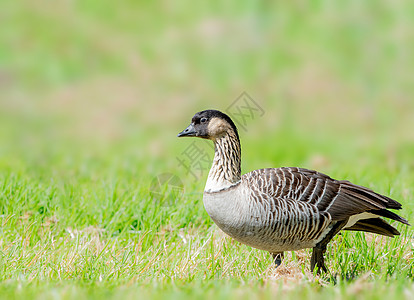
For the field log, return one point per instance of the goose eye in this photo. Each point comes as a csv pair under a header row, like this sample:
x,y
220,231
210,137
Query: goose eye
x,y
203,120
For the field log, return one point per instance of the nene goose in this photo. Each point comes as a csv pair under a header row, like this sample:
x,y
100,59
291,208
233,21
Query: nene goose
x,y
283,209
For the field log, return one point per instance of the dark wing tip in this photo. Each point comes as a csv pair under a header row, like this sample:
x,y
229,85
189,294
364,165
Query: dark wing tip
x,y
389,214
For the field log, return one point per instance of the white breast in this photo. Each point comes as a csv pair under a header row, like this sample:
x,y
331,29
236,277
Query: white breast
x,y
226,210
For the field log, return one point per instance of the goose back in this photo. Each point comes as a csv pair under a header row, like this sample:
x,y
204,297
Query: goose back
x,y
341,199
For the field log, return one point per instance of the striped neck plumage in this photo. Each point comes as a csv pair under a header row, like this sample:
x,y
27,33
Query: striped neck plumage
x,y
226,168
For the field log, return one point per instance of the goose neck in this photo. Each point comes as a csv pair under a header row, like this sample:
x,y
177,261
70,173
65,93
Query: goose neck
x,y
226,167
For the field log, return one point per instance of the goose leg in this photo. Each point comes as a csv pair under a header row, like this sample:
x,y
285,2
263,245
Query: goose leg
x,y
277,258
317,259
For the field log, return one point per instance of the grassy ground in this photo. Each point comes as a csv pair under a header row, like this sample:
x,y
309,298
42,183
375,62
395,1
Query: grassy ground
x,y
93,95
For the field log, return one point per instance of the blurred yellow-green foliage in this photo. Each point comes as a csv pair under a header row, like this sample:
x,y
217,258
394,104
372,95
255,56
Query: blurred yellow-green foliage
x,y
88,78
93,94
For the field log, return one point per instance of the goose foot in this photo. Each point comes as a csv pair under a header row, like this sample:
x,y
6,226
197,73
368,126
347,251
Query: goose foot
x,y
317,259
277,258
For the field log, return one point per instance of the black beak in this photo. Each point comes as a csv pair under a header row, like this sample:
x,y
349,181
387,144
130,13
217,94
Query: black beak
x,y
189,131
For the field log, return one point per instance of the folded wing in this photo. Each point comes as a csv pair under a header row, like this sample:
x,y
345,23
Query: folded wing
x,y
343,200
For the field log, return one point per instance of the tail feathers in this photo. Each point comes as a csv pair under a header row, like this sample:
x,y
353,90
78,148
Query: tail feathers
x,y
389,214
374,225
352,199
369,196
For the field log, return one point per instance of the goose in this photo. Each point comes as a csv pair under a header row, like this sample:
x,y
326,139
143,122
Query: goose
x,y
283,209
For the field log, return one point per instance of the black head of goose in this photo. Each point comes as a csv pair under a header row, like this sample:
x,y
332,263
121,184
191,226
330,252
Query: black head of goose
x,y
283,209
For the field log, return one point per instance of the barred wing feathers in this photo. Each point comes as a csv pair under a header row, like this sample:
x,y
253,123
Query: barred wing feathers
x,y
341,199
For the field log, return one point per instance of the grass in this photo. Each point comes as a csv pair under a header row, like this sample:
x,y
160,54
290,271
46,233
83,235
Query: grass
x,y
70,233
93,95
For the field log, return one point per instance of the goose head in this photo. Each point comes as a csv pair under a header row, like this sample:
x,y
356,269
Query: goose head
x,y
210,124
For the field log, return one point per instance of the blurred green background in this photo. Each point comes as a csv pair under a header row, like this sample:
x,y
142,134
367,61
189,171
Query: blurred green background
x,y
93,94
106,84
